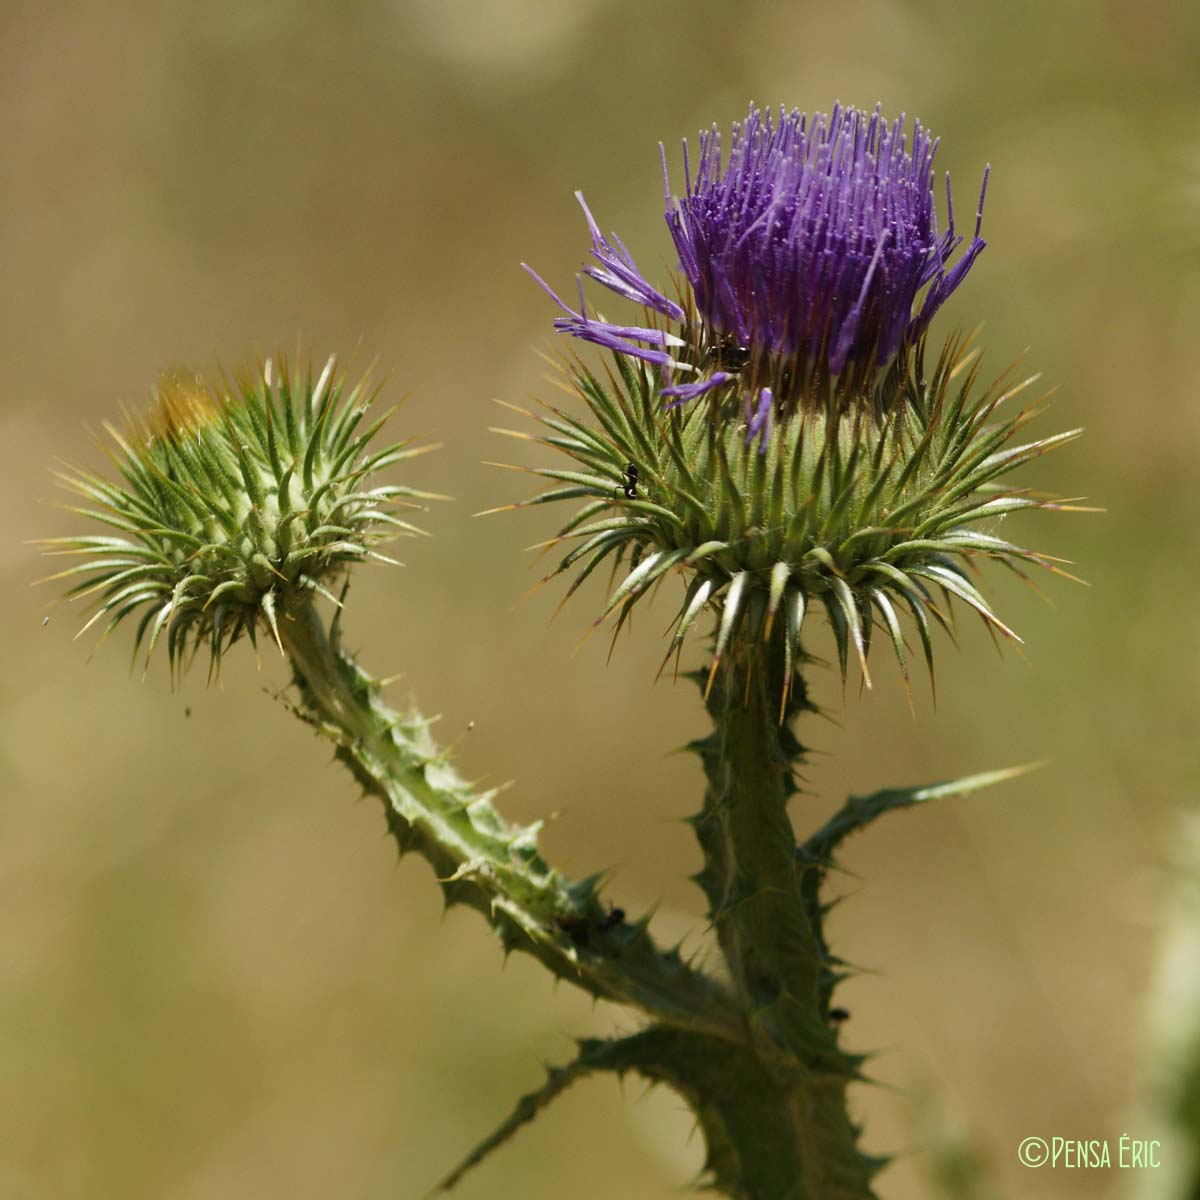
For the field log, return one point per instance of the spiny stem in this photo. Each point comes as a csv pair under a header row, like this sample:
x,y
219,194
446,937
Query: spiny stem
x,y
478,858
767,915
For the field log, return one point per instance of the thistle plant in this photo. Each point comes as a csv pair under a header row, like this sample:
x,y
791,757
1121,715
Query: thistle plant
x,y
774,429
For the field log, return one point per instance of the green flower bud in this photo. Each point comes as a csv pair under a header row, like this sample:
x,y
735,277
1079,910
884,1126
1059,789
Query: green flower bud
x,y
233,500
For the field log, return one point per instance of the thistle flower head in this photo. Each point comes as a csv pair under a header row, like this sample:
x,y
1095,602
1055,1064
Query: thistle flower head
x,y
830,466
232,500
811,255
813,238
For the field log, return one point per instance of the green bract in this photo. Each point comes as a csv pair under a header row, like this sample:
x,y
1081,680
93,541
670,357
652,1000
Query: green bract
x,y
234,500
866,508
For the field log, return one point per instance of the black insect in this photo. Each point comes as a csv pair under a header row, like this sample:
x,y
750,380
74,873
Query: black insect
x,y
631,481
728,356
580,929
838,1015
615,917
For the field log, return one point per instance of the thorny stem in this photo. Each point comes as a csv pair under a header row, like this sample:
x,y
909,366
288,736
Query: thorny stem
x,y
760,1066
767,915
478,858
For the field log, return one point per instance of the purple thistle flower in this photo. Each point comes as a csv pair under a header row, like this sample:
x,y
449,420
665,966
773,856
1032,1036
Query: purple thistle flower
x,y
807,250
814,238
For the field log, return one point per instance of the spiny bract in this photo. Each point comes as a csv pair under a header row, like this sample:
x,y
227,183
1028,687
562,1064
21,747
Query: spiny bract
x,y
234,499
866,511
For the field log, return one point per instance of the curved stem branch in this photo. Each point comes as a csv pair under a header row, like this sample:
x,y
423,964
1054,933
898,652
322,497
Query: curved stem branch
x,y
480,859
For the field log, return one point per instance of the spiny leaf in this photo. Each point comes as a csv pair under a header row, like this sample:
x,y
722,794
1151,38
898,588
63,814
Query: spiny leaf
x,y
859,811
558,1079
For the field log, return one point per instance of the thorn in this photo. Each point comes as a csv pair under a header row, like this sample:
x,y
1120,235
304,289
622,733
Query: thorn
x,y
712,674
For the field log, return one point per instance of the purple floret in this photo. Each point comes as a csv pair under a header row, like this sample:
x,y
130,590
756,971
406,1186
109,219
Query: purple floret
x,y
622,338
758,416
814,238
680,393
619,273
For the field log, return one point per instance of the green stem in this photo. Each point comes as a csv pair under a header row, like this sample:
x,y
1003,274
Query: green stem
x,y
478,858
759,1065
767,915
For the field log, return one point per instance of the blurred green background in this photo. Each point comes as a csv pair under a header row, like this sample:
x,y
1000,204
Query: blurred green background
x,y
215,980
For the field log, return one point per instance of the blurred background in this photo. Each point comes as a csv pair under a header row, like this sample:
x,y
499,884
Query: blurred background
x,y
214,979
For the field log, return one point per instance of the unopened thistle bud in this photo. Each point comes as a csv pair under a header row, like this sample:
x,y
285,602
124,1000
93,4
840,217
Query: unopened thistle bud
x,y
777,432
233,501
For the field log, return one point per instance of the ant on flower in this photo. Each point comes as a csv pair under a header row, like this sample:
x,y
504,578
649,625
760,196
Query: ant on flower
x,y
630,485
